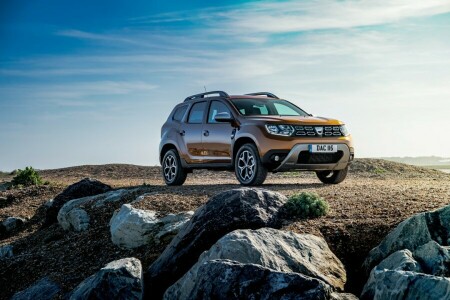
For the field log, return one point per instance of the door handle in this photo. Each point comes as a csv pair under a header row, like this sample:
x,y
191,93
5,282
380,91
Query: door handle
x,y
205,132
182,132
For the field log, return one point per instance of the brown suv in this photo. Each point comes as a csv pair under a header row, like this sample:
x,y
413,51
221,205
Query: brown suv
x,y
252,134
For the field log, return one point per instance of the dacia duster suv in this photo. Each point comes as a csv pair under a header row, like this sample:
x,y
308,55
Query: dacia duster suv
x,y
253,134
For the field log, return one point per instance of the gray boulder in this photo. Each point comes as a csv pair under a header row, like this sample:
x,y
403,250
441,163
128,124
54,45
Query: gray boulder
x,y
10,224
5,186
400,261
76,219
405,285
245,208
72,216
425,265
6,251
226,279
274,249
44,289
83,188
434,259
412,233
131,227
120,279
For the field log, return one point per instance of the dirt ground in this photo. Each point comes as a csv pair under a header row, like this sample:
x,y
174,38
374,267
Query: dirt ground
x,y
375,197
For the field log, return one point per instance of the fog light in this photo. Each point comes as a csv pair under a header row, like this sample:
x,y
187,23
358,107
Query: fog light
x,y
276,158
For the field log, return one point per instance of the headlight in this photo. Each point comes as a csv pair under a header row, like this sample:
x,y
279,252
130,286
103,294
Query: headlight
x,y
344,130
284,130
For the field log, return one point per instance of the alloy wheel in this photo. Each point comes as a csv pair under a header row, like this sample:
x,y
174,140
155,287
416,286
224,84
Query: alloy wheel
x,y
246,165
170,168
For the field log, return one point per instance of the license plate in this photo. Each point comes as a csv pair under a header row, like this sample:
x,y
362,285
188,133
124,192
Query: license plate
x,y
323,148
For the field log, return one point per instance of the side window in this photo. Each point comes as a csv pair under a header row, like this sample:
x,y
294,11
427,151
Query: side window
x,y
215,108
179,113
196,113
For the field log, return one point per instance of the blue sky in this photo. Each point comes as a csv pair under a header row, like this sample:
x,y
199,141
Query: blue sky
x,y
91,82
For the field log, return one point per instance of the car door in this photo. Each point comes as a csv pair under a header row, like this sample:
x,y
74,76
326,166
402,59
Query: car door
x,y
217,136
191,133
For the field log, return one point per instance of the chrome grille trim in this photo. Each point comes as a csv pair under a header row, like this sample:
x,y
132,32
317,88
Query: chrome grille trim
x,y
310,131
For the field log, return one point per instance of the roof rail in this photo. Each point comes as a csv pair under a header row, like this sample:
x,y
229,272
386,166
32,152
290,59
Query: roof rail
x,y
269,95
202,95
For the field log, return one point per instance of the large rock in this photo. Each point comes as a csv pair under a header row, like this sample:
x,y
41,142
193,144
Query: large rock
x,y
5,186
6,251
245,208
415,270
131,227
405,285
76,219
274,249
434,259
399,261
412,233
72,216
226,279
11,224
44,289
84,188
120,279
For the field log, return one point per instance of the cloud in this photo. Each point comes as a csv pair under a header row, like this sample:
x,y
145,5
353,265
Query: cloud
x,y
75,94
294,16
302,16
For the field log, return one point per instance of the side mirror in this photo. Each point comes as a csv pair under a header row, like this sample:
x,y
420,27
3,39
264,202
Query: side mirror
x,y
223,117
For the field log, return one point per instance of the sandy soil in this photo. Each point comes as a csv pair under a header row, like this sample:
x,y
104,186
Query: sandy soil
x,y
375,197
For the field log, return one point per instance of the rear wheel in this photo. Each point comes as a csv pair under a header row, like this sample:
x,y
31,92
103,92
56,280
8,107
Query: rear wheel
x,y
332,177
172,171
248,167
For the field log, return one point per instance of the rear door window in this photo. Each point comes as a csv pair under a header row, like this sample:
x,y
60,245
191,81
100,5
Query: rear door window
x,y
179,113
197,112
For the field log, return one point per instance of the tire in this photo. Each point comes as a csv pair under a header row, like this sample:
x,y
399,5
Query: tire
x,y
332,177
248,167
172,170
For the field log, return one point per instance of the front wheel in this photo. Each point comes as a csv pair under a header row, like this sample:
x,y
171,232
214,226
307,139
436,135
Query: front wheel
x,y
173,172
248,167
332,177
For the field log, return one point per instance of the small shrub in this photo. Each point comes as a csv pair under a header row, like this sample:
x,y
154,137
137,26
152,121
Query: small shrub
x,y
26,177
378,170
306,205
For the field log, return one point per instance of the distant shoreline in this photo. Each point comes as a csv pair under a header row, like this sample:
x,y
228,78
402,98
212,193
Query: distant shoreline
x,y
443,168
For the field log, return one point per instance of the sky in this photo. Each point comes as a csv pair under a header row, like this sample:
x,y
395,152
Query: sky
x,y
91,82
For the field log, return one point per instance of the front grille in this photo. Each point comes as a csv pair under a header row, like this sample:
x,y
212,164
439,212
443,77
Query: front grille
x,y
306,157
317,131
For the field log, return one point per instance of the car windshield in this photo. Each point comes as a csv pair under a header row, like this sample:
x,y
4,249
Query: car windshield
x,y
267,107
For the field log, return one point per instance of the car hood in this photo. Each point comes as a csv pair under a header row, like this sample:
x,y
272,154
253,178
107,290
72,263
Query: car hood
x,y
306,120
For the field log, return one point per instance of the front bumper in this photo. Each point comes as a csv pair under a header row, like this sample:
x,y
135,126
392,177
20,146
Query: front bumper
x,y
292,160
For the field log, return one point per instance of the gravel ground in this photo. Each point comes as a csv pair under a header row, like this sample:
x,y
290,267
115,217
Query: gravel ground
x,y
375,197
